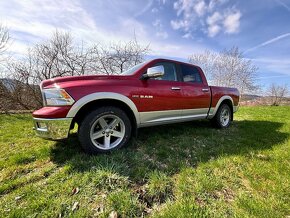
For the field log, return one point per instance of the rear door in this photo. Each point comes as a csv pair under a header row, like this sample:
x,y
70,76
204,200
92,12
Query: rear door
x,y
161,98
195,92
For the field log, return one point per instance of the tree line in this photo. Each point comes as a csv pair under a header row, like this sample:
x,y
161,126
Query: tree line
x,y
61,55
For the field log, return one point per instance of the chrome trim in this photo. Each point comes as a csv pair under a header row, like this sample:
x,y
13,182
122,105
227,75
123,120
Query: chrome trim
x,y
175,88
104,95
155,72
205,90
213,110
198,111
42,94
171,116
52,128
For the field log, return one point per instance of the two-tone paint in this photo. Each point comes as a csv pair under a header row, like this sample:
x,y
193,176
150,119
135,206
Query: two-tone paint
x,y
152,102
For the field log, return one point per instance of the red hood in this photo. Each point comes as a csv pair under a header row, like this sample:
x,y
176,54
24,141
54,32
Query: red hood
x,y
58,80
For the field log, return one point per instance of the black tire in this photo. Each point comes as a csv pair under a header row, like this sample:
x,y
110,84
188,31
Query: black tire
x,y
92,125
217,120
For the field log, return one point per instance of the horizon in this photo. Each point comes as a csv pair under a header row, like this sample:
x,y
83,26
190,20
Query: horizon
x,y
174,29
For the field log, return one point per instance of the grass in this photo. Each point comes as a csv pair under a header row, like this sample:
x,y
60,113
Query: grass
x,y
181,170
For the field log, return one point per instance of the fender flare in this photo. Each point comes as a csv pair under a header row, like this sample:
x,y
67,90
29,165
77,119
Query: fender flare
x,y
213,110
103,95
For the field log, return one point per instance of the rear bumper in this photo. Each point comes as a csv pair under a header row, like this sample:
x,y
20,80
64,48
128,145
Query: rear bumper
x,y
53,129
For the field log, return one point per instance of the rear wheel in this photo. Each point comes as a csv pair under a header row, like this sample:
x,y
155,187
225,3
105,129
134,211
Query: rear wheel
x,y
104,130
223,117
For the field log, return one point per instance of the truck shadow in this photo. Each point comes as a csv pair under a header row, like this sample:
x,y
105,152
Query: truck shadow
x,y
172,147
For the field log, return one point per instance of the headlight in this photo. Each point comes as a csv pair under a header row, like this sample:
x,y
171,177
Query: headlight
x,y
57,97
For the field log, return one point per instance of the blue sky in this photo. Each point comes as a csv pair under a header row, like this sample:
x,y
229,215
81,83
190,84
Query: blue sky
x,y
177,28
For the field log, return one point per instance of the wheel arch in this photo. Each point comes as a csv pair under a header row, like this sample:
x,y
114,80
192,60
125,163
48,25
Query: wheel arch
x,y
92,101
223,100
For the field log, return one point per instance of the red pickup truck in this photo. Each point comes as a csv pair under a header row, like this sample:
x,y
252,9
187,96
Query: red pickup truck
x,y
110,108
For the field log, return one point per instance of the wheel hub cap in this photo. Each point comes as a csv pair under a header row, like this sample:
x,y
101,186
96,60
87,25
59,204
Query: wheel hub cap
x,y
107,132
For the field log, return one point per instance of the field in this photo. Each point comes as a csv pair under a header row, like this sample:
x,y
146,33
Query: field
x,y
181,170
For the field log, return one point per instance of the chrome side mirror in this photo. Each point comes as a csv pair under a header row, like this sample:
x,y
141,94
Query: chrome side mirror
x,y
154,72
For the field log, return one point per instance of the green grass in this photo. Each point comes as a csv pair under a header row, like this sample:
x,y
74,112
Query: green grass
x,y
181,170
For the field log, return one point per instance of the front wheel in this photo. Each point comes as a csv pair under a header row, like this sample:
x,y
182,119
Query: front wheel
x,y
104,130
223,116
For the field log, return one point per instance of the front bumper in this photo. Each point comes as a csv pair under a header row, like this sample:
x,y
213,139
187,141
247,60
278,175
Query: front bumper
x,y
53,129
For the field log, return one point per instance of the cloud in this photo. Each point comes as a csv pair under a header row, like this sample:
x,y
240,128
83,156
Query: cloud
x,y
214,18
162,34
213,30
209,16
32,22
212,21
187,36
283,4
200,8
268,42
154,10
232,22
146,8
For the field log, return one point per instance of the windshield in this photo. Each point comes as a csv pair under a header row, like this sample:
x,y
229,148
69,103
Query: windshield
x,y
132,70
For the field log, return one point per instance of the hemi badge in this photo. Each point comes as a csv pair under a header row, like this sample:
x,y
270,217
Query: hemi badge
x,y
135,96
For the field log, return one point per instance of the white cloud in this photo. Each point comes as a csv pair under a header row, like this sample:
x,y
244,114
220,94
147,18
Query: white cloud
x,y
154,10
157,23
179,24
162,34
187,36
213,30
232,22
200,8
214,18
160,30
34,21
208,16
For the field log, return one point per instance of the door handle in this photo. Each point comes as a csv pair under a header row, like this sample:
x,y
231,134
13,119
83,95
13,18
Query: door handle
x,y
205,90
175,88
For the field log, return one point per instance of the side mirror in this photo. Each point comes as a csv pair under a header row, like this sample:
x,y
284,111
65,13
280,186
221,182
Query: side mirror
x,y
154,72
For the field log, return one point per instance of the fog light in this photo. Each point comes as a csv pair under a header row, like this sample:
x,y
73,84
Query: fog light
x,y
41,125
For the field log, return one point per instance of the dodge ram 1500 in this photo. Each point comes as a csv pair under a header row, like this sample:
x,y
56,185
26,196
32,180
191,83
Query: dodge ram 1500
x,y
110,108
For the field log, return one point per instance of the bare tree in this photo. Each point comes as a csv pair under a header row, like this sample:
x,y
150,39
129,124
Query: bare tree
x,y
277,93
117,57
4,38
61,56
227,68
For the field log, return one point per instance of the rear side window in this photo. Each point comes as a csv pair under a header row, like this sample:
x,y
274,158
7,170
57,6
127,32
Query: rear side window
x,y
190,74
169,71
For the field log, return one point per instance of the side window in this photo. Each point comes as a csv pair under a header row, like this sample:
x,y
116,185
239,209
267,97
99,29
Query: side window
x,y
190,74
169,71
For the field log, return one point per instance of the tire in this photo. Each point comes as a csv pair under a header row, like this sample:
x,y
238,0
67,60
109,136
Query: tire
x,y
223,117
104,130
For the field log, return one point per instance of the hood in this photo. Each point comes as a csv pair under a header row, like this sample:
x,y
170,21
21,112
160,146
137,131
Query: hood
x,y
68,79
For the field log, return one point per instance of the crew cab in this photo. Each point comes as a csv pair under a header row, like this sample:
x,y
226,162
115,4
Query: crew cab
x,y
110,108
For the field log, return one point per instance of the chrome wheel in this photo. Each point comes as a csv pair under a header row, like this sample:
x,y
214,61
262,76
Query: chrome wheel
x,y
107,132
225,116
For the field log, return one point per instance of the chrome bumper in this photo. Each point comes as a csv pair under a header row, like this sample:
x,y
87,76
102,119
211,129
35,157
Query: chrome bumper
x,y
52,128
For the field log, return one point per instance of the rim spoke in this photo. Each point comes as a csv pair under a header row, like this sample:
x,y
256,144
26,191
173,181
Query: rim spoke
x,y
102,122
117,134
114,123
97,135
107,141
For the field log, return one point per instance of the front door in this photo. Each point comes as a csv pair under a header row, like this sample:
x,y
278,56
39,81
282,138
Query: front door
x,y
161,98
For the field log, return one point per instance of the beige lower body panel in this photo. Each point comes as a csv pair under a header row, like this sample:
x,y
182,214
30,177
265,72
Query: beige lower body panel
x,y
153,118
